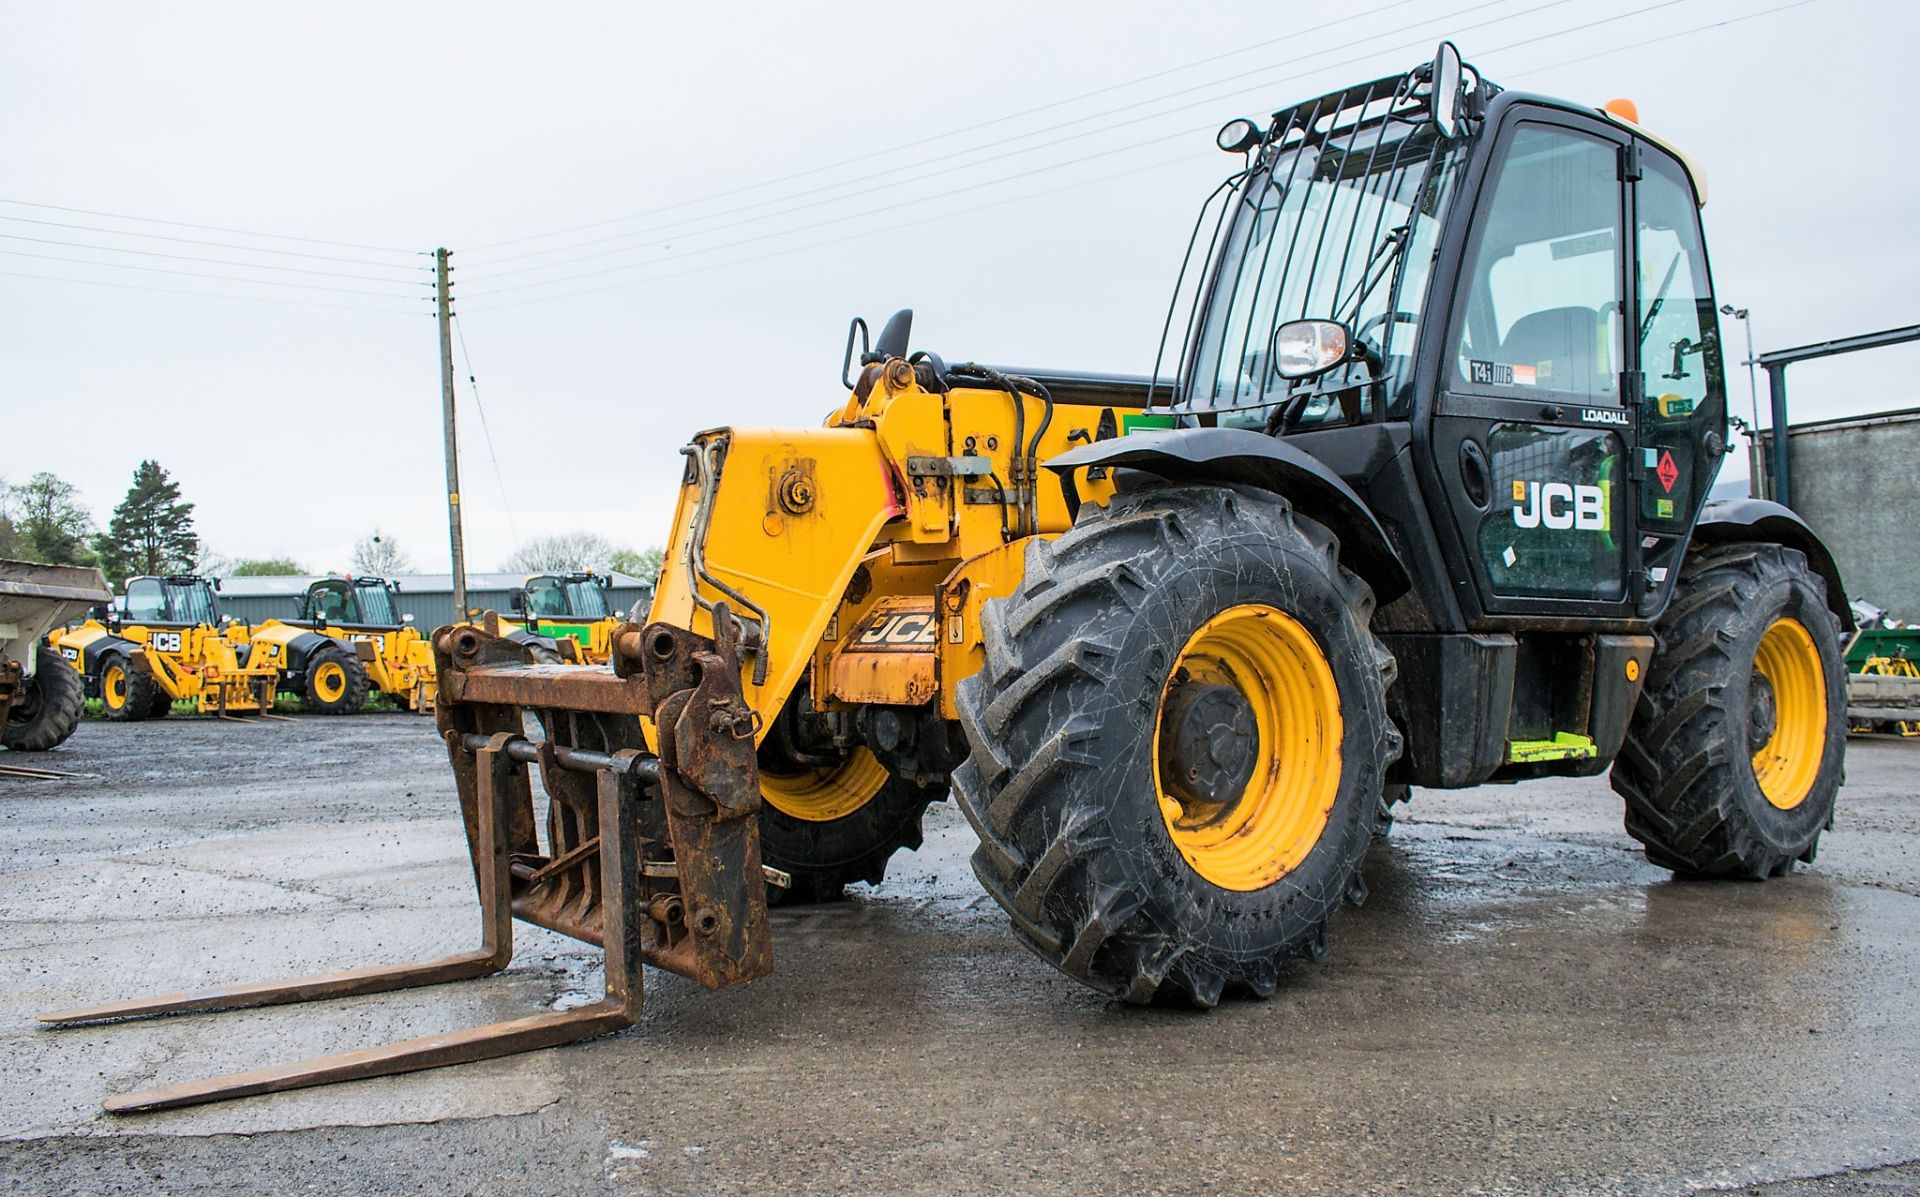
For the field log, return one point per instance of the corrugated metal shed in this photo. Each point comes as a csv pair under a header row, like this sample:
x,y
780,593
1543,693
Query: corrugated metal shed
x,y
426,597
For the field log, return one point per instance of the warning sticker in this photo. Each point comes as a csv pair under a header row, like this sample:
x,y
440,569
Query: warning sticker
x,y
1663,509
1524,376
1667,471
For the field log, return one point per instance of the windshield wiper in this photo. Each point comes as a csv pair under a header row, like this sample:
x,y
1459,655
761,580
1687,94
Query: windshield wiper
x,y
1379,264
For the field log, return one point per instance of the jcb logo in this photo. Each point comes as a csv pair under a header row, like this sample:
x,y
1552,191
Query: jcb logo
x,y
166,642
71,654
899,632
1559,505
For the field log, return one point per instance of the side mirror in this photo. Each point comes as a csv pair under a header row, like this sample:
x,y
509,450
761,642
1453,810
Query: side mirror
x,y
1306,348
517,601
1444,103
407,618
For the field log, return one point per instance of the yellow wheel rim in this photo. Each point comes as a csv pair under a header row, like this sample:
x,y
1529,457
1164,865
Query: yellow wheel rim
x,y
330,682
113,687
1251,838
1787,763
822,795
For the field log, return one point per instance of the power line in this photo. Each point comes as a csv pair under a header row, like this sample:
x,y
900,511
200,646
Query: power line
x,y
1105,178
1665,37
918,142
473,385
861,235
154,253
1053,166
211,228
252,249
230,278
892,173
302,303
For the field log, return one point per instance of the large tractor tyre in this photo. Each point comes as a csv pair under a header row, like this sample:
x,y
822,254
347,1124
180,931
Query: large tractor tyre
x,y
128,694
828,826
48,707
1735,753
1178,744
336,682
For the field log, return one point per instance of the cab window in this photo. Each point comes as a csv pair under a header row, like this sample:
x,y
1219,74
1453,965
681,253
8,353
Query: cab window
x,y
1542,292
1679,344
146,601
546,599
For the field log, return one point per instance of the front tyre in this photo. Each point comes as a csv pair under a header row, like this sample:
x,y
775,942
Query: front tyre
x,y
1178,743
1733,759
48,707
831,822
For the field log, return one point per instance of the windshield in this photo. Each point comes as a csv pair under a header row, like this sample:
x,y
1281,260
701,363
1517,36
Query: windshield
x,y
189,602
376,604
1338,222
586,600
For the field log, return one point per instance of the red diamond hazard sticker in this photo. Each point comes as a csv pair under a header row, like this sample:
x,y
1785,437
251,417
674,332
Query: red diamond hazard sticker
x,y
1667,471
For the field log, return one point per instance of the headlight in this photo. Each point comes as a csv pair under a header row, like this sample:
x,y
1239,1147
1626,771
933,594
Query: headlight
x,y
1304,348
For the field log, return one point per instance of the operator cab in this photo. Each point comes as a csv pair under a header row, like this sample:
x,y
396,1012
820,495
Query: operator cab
x,y
1490,314
182,600
575,596
353,602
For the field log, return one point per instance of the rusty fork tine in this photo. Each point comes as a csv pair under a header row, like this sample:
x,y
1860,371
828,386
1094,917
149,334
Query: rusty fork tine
x,y
620,884
317,987
412,1055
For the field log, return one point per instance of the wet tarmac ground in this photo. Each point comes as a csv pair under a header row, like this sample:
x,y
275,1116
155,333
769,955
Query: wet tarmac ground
x,y
1524,1005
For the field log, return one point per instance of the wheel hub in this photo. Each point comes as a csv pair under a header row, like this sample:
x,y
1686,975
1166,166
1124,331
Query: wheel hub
x,y
1209,743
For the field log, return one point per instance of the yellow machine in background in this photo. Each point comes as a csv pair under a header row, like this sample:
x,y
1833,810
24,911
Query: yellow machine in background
x,y
349,639
164,643
563,617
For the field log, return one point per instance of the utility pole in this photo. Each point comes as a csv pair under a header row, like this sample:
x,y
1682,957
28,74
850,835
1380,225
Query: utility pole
x,y
443,294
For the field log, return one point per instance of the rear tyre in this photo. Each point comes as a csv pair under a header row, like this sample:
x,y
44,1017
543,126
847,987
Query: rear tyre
x,y
48,707
1734,756
1178,743
336,682
830,825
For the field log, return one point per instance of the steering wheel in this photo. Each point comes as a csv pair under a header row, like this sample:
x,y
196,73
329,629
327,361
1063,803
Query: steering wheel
x,y
1395,317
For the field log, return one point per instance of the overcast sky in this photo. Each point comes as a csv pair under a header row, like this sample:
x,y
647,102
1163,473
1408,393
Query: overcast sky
x,y
389,128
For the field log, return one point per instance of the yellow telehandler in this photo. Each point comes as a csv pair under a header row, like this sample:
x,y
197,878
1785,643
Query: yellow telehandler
x,y
349,638
164,641
1420,500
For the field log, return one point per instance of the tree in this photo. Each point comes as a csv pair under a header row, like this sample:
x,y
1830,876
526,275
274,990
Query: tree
x,y
152,529
644,563
49,522
566,551
266,567
380,555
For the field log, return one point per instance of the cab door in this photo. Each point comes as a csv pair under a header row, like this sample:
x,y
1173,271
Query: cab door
x,y
1533,424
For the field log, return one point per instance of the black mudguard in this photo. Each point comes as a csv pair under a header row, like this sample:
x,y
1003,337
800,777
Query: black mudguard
x,y
1249,458
1724,520
301,649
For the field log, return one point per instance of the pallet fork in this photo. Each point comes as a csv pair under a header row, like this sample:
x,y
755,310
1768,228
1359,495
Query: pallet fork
x,y
655,858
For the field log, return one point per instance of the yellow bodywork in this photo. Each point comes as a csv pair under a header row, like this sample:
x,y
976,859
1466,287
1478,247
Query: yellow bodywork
x,y
398,661
195,662
869,545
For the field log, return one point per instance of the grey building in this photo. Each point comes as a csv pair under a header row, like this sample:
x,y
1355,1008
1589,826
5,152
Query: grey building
x,y
426,597
1855,482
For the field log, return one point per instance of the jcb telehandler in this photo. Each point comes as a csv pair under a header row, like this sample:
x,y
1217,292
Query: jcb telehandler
x,y
163,641
563,617
349,638
1422,502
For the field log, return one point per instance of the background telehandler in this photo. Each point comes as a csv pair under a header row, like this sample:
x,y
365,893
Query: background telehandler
x,y
1425,506
349,638
164,640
